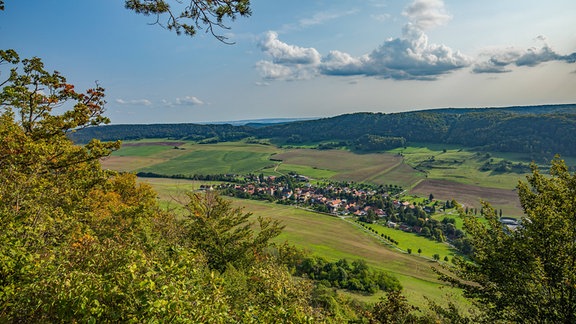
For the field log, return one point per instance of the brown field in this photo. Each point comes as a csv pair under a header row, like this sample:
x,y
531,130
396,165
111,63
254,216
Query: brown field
x,y
470,195
128,163
348,165
402,174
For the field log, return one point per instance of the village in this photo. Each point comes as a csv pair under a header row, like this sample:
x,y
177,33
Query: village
x,y
364,202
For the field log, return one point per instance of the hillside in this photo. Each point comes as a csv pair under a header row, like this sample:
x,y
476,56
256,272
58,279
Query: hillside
x,y
539,130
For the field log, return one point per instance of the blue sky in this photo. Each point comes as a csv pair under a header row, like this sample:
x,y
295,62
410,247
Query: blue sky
x,y
307,58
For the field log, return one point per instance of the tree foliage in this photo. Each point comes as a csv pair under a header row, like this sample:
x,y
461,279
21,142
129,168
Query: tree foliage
x,y
81,244
527,274
224,234
189,16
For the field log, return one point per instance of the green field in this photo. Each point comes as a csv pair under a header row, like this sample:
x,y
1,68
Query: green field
x,y
459,165
412,241
332,238
448,172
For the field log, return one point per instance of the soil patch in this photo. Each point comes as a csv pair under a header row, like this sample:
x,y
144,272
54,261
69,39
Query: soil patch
x,y
470,195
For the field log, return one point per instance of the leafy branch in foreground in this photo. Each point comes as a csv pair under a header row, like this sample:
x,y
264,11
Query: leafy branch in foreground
x,y
192,15
526,275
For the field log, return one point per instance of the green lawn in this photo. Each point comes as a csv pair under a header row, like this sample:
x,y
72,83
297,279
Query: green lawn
x,y
412,241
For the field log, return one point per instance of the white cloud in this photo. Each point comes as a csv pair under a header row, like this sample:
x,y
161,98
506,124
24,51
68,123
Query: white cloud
x,y
500,60
409,57
134,102
413,57
282,53
339,63
272,71
381,17
322,17
189,101
185,101
318,18
426,14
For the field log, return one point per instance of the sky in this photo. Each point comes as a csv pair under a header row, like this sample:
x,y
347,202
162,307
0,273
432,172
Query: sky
x,y
306,58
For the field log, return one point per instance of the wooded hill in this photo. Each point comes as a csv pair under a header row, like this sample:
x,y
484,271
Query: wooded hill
x,y
539,130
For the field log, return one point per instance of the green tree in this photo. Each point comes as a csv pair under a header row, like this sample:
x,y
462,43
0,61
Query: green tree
x,y
224,234
526,275
190,16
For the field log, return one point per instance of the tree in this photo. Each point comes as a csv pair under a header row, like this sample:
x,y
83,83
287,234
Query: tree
x,y
192,15
224,234
81,244
189,16
393,309
43,173
527,274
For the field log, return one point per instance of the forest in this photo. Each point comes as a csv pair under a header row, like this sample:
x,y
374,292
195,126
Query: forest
x,y
541,131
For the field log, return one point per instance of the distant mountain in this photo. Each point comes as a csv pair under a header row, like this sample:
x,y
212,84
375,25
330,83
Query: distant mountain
x,y
540,109
539,130
259,122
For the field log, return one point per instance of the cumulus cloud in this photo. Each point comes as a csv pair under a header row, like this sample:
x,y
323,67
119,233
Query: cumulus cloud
x,y
283,53
408,57
411,56
427,14
288,62
500,60
134,102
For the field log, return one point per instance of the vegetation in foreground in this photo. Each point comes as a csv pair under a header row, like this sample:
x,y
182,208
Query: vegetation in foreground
x,y
82,244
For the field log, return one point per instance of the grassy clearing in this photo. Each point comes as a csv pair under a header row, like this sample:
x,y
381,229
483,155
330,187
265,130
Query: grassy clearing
x,y
347,166
412,241
459,165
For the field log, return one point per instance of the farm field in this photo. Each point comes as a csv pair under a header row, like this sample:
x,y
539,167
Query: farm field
x,y
331,238
446,172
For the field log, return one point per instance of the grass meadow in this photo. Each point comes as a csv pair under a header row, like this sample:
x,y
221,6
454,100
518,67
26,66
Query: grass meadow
x,y
332,238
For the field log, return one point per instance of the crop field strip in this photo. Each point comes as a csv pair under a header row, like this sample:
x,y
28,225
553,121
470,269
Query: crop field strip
x,y
461,181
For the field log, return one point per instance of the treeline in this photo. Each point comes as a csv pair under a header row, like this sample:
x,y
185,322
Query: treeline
x,y
193,132
202,177
355,276
538,130
539,133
